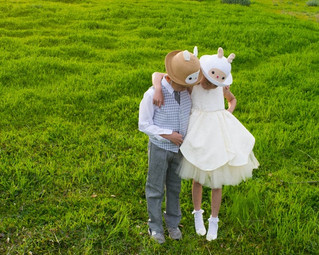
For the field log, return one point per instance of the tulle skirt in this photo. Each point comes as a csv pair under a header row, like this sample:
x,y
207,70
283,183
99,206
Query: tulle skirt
x,y
224,175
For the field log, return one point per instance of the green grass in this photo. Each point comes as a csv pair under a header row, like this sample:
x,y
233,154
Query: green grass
x,y
73,164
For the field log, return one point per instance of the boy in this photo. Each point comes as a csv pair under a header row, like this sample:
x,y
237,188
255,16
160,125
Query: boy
x,y
166,128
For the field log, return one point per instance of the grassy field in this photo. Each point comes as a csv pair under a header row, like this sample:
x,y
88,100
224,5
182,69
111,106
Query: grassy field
x,y
73,164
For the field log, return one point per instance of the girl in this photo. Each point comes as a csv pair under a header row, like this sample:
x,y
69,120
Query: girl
x,y
217,149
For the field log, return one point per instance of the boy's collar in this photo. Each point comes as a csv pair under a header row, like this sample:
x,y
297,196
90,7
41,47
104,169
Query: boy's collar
x,y
168,86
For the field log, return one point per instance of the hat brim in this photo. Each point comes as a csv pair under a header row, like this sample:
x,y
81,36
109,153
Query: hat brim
x,y
227,82
172,75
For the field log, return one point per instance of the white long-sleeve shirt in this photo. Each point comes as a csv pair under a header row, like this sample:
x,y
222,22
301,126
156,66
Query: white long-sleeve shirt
x,y
146,113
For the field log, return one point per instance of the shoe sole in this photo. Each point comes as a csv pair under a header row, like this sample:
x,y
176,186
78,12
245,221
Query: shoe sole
x,y
177,239
156,240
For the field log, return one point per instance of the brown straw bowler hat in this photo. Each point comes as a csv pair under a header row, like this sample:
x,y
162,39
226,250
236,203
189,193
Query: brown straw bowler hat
x,y
183,68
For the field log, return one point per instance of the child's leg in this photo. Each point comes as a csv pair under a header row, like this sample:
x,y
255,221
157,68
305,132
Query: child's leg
x,y
154,188
213,220
216,201
198,212
197,195
173,189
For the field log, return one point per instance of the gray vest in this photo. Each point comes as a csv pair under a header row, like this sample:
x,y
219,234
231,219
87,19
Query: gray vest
x,y
172,116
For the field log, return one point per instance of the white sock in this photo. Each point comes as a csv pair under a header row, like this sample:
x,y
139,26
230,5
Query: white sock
x,y
212,228
199,222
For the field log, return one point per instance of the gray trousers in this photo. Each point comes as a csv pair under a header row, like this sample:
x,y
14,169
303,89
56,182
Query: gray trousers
x,y
162,173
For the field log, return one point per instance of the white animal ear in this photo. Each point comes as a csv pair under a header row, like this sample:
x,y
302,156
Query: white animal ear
x,y
231,58
195,51
187,55
220,52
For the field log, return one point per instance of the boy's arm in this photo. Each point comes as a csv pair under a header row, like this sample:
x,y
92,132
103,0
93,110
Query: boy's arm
x,y
158,98
231,99
146,124
145,121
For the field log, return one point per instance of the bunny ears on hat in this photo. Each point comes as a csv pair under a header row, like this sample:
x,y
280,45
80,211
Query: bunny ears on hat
x,y
219,62
183,67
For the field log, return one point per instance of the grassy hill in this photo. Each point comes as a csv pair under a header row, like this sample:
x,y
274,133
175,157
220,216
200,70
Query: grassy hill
x,y
73,164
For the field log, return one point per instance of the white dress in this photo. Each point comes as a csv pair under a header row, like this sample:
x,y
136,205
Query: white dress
x,y
218,149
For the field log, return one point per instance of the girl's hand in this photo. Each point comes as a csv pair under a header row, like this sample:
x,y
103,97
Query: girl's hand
x,y
158,98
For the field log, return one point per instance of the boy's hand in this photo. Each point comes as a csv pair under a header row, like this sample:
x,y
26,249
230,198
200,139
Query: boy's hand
x,y
175,138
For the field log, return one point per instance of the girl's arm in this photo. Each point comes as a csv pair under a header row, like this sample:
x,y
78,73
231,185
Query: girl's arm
x,y
158,98
231,99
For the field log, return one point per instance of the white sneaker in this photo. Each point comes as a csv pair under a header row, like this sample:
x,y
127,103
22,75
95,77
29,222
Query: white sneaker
x,y
199,223
212,228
